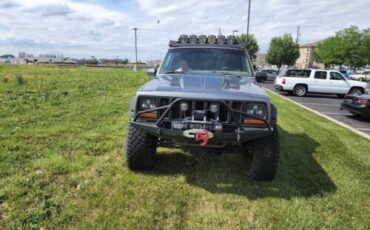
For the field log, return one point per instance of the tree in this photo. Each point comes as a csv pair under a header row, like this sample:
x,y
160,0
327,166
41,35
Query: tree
x,y
282,51
330,51
355,47
350,46
252,45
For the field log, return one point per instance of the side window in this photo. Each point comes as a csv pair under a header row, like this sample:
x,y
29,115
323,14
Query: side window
x,y
298,73
320,75
336,76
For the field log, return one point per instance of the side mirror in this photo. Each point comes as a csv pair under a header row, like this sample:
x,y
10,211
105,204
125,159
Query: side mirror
x,y
261,77
152,72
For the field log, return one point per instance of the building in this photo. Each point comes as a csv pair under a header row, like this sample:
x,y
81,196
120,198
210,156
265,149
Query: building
x,y
261,61
306,56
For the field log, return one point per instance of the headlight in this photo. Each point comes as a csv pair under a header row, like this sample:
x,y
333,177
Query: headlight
x,y
258,110
147,103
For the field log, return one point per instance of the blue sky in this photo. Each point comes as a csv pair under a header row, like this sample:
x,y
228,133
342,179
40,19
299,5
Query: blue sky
x,y
103,28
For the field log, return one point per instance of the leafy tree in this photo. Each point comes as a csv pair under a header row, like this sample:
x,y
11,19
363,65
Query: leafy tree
x,y
252,45
354,45
350,46
330,51
282,51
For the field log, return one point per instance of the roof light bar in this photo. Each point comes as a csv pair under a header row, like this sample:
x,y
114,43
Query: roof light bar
x,y
211,39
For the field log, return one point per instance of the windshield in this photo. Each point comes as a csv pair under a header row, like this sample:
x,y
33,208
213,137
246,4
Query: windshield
x,y
206,60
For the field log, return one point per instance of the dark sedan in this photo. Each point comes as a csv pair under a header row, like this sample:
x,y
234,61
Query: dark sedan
x,y
357,104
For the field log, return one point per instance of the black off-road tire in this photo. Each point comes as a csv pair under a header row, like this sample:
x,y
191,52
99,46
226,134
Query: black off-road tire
x,y
266,154
300,90
140,149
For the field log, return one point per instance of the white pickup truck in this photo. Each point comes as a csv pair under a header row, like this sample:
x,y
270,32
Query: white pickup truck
x,y
303,81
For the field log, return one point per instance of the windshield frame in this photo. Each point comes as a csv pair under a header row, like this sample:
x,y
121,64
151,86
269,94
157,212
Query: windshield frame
x,y
249,66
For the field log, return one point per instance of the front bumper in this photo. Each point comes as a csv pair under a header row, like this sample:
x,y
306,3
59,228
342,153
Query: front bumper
x,y
219,138
241,133
356,109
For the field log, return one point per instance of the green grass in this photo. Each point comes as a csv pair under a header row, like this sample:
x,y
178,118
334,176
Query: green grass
x,y
62,165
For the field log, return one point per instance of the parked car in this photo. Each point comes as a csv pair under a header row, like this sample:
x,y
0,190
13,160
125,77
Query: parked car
x,y
204,97
357,104
271,74
365,76
303,81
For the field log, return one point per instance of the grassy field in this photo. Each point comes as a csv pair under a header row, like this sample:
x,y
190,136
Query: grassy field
x,y
62,165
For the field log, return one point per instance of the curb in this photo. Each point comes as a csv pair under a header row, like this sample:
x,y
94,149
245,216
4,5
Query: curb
x,y
364,135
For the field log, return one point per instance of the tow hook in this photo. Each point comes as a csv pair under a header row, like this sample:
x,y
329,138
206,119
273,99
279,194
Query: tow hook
x,y
201,136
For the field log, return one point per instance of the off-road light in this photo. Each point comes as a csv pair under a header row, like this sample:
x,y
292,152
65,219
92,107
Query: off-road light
x,y
147,103
211,39
184,106
202,39
213,108
193,39
183,39
221,39
258,110
231,40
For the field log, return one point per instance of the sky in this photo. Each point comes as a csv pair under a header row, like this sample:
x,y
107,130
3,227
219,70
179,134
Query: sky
x,y
104,28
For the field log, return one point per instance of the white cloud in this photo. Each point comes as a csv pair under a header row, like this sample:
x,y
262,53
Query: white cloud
x,y
104,28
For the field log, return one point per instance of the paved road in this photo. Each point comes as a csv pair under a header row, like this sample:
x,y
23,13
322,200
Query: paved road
x,y
328,105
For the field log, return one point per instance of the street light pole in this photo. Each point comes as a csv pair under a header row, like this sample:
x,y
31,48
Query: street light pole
x,y
249,13
135,67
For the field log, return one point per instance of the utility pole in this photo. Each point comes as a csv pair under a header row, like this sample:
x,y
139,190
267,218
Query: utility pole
x,y
298,34
156,42
135,67
249,13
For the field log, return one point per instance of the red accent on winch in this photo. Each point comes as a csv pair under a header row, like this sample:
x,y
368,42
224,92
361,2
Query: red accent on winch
x,y
202,137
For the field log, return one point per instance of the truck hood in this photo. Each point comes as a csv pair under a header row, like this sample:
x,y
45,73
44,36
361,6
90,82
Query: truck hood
x,y
215,86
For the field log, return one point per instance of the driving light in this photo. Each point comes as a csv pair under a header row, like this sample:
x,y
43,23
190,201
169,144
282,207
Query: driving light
x,y
258,110
231,39
221,39
184,106
193,39
213,108
211,39
183,39
202,39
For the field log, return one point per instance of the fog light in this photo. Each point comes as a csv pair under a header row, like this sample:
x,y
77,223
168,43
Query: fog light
x,y
184,106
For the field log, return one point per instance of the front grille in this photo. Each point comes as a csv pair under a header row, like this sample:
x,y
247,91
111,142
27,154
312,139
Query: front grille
x,y
224,116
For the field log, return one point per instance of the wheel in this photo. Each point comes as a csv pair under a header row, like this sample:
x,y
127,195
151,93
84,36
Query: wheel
x,y
140,149
266,154
300,90
355,90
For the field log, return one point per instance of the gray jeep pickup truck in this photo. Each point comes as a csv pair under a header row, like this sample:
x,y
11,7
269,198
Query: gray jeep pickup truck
x,y
204,96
